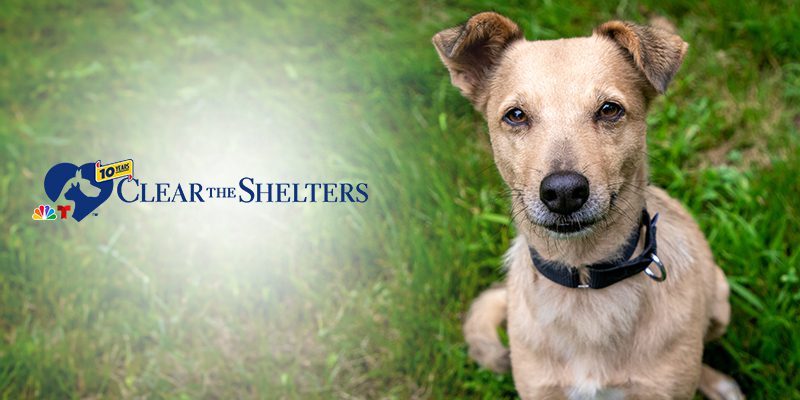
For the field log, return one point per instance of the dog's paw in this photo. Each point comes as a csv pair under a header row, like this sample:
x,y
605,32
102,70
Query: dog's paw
x,y
718,386
490,355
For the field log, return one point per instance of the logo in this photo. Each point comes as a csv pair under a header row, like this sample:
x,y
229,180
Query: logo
x,y
91,184
44,213
113,171
97,184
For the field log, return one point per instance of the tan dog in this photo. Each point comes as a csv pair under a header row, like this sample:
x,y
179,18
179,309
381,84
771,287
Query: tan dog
x,y
567,125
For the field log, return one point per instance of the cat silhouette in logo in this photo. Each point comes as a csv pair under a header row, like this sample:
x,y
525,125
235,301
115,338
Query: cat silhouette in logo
x,y
60,174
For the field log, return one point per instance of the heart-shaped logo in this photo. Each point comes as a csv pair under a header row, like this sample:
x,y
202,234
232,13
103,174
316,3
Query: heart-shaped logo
x,y
58,176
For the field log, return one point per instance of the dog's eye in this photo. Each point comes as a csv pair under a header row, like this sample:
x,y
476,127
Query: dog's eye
x,y
610,111
515,117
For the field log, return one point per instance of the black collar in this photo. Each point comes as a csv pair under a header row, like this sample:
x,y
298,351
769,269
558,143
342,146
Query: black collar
x,y
607,273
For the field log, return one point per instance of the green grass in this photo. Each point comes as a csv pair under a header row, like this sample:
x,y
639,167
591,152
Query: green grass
x,y
359,301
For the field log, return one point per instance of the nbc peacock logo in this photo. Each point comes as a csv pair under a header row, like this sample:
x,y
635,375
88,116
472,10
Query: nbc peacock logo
x,y
44,213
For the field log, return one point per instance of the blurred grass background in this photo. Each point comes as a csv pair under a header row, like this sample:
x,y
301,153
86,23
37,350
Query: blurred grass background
x,y
345,301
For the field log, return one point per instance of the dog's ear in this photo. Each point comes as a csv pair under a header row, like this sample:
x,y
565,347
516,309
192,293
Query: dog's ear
x,y
657,52
472,50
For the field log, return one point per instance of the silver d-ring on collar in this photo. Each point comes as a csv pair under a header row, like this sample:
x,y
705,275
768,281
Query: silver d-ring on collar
x,y
663,271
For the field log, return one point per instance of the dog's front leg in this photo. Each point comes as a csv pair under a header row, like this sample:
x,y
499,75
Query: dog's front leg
x,y
485,315
717,386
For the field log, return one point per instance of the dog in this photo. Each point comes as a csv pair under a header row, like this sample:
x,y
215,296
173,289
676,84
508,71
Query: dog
x,y
611,288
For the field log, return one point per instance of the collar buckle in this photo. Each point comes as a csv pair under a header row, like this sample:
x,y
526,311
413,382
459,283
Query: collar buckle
x,y
662,276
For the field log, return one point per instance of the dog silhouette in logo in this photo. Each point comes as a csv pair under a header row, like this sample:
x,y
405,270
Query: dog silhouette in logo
x,y
58,176
82,201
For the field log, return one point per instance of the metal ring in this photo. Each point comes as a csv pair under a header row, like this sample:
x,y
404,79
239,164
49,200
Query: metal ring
x,y
658,278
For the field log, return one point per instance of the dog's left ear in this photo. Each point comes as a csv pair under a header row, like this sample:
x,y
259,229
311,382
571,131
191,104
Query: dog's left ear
x,y
656,52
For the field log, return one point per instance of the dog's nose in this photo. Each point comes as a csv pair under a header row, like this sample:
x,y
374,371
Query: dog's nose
x,y
564,192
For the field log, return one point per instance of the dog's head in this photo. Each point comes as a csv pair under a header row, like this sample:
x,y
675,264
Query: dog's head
x,y
566,117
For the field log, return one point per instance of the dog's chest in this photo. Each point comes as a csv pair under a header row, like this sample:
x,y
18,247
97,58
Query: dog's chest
x,y
566,321
582,337
593,392
576,321
584,341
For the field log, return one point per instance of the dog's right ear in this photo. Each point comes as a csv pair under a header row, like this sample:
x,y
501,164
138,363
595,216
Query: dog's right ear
x,y
472,50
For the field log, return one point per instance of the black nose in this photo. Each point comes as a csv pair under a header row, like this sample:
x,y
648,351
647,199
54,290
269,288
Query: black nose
x,y
564,192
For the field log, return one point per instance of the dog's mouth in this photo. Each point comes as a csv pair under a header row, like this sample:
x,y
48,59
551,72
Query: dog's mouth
x,y
574,224
569,226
